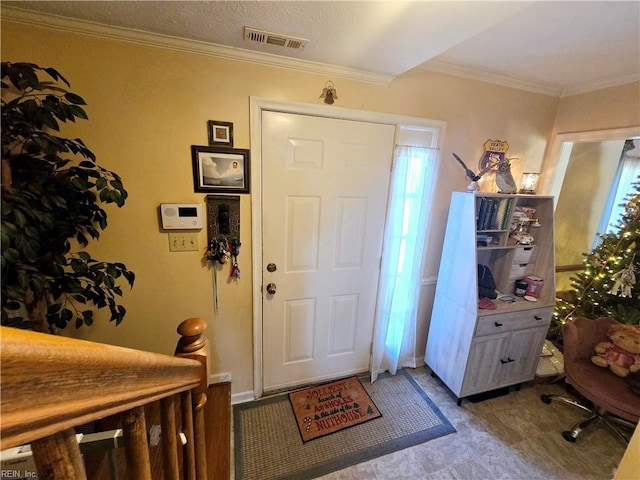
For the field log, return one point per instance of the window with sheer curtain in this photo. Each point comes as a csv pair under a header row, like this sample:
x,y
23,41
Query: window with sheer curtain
x,y
404,240
627,173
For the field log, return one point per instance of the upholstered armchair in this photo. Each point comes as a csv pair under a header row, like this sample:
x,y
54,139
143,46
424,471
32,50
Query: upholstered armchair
x,y
609,399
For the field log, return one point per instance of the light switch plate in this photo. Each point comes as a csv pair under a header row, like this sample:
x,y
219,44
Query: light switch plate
x,y
183,242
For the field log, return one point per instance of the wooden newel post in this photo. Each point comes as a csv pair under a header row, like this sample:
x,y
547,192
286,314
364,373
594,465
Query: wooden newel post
x,y
193,345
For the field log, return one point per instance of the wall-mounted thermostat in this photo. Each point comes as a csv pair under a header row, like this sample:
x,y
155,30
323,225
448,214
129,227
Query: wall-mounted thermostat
x,y
181,216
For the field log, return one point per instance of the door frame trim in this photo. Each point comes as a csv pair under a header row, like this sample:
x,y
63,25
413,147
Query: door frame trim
x,y
257,106
555,165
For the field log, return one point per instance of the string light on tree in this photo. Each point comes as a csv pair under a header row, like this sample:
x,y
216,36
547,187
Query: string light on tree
x,y
607,284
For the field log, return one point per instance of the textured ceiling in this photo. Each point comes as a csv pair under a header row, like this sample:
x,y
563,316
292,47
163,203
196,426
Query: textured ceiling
x,y
558,47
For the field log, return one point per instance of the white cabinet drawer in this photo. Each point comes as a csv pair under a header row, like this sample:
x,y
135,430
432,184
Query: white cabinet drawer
x,y
508,322
518,272
524,255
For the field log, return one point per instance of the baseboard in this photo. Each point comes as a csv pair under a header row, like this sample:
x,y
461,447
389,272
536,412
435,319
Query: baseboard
x,y
418,361
242,397
248,396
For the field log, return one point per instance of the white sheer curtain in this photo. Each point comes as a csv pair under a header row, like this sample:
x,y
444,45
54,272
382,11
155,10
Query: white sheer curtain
x,y
404,239
628,172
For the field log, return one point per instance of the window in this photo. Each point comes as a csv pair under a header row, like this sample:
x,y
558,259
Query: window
x,y
627,173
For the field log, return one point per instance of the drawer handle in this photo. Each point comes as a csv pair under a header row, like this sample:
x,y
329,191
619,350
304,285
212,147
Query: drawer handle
x,y
497,324
508,360
537,317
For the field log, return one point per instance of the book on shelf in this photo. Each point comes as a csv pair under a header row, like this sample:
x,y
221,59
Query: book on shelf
x,y
493,213
484,213
481,213
504,217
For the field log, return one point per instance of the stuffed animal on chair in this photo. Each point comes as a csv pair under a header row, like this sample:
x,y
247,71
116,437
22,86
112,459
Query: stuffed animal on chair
x,y
621,354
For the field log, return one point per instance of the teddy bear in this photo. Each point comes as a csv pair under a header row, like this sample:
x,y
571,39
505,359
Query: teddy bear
x,y
622,352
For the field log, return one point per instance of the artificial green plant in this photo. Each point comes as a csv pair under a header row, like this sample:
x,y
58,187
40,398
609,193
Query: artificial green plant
x,y
52,196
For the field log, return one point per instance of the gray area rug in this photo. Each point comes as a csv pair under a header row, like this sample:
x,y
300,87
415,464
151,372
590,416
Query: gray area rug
x,y
268,445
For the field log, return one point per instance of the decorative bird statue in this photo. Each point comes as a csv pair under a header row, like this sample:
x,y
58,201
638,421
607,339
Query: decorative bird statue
x,y
473,186
504,178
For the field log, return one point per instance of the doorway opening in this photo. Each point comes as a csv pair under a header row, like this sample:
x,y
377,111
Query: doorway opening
x,y
258,106
586,170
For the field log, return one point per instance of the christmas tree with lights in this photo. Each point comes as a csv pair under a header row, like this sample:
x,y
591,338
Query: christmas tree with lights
x,y
607,287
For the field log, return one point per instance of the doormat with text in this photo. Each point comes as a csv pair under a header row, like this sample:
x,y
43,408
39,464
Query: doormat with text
x,y
324,409
267,442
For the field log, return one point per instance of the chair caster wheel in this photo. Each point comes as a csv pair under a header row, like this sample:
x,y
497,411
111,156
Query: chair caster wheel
x,y
545,398
568,437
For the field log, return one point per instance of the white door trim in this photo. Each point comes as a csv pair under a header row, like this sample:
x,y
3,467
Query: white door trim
x,y
257,105
555,165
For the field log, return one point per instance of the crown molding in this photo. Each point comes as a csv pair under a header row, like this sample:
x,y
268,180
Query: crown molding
x,y
168,42
474,74
600,85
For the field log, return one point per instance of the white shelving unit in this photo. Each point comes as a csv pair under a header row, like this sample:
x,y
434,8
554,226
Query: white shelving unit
x,y
475,350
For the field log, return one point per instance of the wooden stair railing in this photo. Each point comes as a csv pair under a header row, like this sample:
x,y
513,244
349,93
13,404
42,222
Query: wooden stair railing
x,y
52,384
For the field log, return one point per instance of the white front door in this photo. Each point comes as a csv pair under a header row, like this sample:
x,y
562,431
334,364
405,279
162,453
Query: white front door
x,y
325,184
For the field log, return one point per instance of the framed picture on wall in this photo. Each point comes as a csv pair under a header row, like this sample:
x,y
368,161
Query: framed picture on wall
x,y
220,169
220,133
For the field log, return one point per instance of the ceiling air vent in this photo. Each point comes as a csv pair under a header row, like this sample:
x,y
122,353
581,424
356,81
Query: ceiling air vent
x,y
261,36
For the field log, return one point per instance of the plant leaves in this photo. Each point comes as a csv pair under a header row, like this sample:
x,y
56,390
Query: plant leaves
x,y
53,202
74,98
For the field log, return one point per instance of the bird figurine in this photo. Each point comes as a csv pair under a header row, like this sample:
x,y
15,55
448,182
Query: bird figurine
x,y
504,178
473,177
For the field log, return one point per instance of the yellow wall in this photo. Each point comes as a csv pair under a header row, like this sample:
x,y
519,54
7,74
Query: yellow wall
x,y
585,189
608,108
147,105
605,109
630,463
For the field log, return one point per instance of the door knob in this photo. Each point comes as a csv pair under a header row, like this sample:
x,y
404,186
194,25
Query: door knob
x,y
271,289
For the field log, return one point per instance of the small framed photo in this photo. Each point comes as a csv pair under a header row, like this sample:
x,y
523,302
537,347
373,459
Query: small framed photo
x,y
220,133
220,169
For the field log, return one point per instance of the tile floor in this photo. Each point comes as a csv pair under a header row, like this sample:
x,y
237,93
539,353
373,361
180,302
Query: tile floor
x,y
510,437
